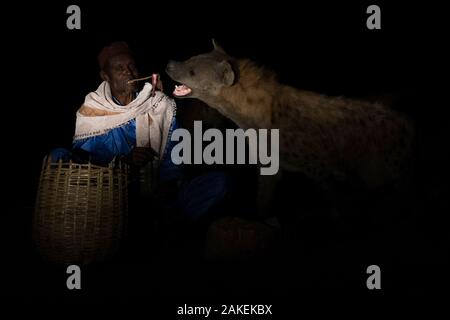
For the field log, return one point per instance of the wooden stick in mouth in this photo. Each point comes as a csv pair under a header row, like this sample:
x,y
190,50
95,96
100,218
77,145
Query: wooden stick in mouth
x,y
139,79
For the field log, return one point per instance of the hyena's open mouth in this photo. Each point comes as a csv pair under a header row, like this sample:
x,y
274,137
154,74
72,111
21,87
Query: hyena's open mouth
x,y
182,91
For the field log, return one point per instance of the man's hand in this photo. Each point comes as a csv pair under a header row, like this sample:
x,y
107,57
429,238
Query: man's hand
x,y
141,155
156,83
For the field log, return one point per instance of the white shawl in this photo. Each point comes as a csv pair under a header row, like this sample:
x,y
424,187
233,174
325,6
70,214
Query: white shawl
x,y
153,116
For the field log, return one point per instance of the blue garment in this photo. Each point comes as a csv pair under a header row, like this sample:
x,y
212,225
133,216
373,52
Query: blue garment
x,y
62,154
116,142
168,170
195,197
198,196
121,141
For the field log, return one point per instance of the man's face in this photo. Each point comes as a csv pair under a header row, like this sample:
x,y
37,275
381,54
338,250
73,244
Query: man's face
x,y
118,71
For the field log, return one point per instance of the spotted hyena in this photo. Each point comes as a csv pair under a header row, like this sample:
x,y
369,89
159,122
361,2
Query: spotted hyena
x,y
321,136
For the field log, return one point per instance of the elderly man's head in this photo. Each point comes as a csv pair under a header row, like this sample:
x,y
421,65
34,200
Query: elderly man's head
x,y
117,67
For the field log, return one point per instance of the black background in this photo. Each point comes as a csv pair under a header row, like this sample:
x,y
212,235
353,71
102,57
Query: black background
x,y
318,46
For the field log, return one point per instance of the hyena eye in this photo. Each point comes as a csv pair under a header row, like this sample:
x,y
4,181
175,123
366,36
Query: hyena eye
x,y
191,72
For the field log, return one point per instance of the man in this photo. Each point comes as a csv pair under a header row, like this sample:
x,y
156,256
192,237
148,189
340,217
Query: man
x,y
125,119
122,118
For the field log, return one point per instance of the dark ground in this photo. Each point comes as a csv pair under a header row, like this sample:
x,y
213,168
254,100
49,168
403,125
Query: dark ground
x,y
320,47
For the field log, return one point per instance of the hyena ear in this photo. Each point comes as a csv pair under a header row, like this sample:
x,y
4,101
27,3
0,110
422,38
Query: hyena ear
x,y
227,73
217,47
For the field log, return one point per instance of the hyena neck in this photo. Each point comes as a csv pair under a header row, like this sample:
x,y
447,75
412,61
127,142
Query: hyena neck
x,y
249,101
227,109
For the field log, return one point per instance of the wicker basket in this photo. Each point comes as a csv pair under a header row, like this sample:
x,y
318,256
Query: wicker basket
x,y
80,211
